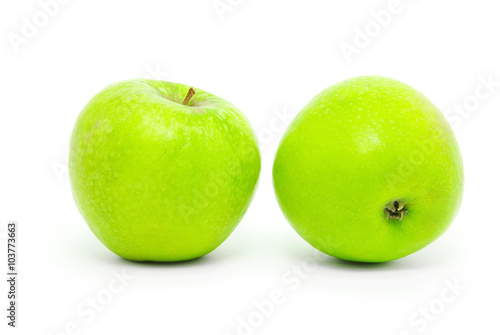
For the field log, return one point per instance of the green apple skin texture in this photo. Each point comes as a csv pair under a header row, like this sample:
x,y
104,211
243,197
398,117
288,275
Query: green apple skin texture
x,y
357,147
157,180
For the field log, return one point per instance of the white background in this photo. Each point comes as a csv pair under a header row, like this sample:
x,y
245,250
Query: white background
x,y
269,58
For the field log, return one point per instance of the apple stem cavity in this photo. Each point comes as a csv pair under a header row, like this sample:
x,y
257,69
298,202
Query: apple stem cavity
x,y
396,210
189,96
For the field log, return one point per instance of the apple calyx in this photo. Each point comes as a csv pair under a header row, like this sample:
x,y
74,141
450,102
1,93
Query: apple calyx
x,y
396,210
189,95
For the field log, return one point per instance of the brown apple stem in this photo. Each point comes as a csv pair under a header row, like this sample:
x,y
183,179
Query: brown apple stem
x,y
188,97
396,210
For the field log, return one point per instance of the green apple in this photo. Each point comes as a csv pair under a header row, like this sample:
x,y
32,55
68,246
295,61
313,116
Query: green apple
x,y
161,171
369,171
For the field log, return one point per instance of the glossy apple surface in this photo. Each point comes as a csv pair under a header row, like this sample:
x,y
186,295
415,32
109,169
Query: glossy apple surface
x,y
159,176
369,171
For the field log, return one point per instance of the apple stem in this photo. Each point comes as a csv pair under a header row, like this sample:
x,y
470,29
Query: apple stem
x,y
188,97
396,210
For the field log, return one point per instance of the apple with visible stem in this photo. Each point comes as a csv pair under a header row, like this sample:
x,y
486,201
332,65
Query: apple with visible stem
x,y
369,171
161,171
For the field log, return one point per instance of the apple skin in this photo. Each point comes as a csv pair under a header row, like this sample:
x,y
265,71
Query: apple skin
x,y
157,180
357,147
